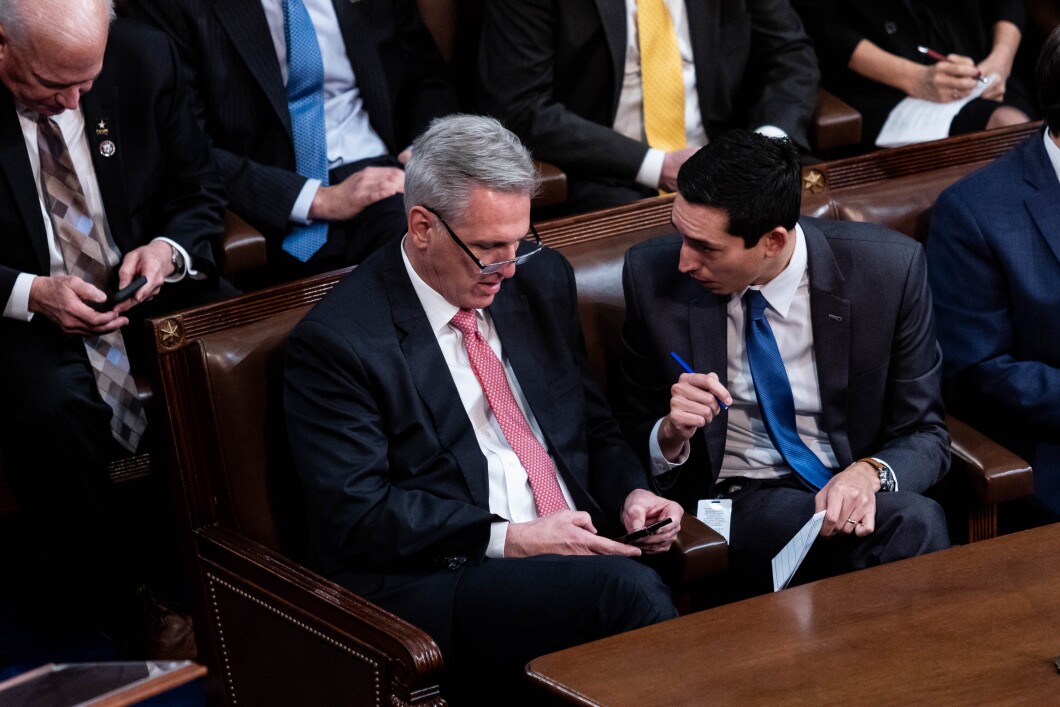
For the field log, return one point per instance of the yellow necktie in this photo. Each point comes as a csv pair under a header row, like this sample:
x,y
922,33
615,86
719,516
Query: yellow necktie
x,y
661,76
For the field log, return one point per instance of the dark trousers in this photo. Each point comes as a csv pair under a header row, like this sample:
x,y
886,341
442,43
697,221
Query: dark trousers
x,y
765,518
349,242
584,195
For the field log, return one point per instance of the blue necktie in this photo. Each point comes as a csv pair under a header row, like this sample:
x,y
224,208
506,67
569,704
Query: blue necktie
x,y
305,101
774,394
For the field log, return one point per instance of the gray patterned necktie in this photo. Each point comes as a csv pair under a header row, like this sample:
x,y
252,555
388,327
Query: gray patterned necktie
x,y
84,255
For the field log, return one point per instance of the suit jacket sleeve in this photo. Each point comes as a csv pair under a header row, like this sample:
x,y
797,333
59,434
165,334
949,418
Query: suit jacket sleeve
x,y
517,65
784,65
336,426
977,328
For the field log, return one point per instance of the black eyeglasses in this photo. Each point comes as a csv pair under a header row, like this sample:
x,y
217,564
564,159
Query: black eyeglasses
x,y
490,268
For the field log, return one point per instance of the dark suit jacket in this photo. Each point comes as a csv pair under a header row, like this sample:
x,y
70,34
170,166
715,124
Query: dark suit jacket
x,y
395,481
238,91
896,26
552,71
159,181
994,257
878,363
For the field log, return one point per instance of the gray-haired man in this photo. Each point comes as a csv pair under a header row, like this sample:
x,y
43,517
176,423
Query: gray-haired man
x,y
455,451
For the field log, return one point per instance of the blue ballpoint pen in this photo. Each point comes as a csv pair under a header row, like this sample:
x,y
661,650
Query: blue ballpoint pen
x,y
688,369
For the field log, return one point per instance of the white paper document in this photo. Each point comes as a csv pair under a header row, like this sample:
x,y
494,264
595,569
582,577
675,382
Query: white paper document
x,y
916,120
789,559
716,513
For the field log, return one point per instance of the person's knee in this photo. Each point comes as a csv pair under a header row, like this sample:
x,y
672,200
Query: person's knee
x,y
1005,116
917,525
634,595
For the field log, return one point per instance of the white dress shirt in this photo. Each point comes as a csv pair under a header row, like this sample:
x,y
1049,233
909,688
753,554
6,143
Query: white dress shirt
x,y
629,120
72,125
1052,151
749,451
510,495
350,134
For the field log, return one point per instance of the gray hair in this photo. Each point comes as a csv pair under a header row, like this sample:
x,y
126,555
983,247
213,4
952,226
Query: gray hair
x,y
70,21
458,152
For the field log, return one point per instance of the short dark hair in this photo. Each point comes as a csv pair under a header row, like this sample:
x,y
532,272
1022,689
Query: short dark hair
x,y
754,179
1049,81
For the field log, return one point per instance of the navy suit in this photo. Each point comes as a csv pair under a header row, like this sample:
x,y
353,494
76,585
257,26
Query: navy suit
x,y
395,481
552,71
238,92
877,362
994,257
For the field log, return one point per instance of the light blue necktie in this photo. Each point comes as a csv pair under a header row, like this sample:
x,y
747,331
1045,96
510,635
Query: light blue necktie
x,y
774,394
305,101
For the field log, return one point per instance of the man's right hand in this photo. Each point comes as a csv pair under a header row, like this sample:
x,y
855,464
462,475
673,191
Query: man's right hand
x,y
62,299
693,405
561,533
343,201
672,165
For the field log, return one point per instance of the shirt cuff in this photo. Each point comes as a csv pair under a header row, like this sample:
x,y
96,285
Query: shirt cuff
x,y
300,211
188,270
770,131
498,535
660,464
17,306
651,168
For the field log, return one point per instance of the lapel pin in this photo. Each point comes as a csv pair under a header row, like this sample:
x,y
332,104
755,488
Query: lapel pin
x,y
101,127
835,317
107,148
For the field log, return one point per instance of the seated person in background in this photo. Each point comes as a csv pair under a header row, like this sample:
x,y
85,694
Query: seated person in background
x,y
107,177
457,456
311,150
817,337
566,76
994,259
869,57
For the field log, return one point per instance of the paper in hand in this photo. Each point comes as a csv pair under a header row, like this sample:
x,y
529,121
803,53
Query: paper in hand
x,y
788,560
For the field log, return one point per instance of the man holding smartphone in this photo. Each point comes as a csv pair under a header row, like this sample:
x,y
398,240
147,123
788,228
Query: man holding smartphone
x,y
460,464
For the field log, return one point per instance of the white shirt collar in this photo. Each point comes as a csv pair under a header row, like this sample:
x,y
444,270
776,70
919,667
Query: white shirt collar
x,y
780,291
1052,151
438,309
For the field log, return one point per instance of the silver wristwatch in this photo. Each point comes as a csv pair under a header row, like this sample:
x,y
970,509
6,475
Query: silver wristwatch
x,y
177,260
887,481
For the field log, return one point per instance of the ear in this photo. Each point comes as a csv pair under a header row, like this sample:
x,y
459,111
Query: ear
x,y
776,241
420,221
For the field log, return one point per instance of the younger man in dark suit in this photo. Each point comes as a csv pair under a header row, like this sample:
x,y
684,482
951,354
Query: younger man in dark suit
x,y
106,177
311,106
458,459
994,256
816,383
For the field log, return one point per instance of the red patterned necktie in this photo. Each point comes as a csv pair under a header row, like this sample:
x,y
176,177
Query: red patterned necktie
x,y
540,469
84,256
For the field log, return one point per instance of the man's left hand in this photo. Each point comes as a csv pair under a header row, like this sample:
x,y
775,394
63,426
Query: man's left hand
x,y
154,261
643,508
849,501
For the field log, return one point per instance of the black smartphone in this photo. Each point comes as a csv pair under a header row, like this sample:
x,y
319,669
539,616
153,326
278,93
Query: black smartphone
x,y
643,532
120,296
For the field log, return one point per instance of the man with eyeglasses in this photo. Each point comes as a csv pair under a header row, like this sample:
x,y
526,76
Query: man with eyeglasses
x,y
460,464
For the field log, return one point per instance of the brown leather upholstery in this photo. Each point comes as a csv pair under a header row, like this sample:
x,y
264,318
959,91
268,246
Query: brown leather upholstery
x,y
835,124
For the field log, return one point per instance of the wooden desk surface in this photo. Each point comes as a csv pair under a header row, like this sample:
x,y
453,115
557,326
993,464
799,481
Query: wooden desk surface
x,y
973,624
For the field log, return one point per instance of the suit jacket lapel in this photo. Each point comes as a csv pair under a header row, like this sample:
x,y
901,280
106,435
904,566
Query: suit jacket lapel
x,y
703,23
830,317
368,72
244,20
14,161
101,108
708,343
1043,203
613,19
432,379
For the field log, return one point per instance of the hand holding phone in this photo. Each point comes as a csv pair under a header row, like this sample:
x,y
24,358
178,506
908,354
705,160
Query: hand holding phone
x,y
643,532
120,296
